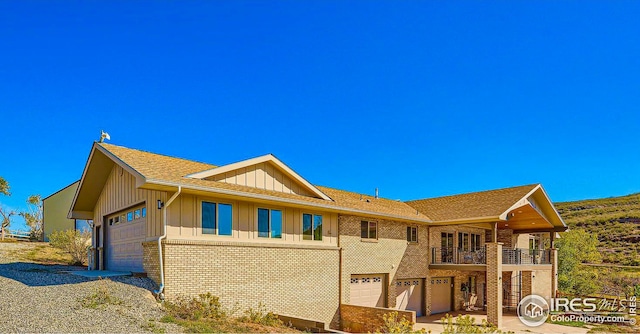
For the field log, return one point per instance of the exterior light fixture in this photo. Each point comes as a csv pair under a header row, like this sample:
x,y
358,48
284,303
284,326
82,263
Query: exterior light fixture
x,y
160,204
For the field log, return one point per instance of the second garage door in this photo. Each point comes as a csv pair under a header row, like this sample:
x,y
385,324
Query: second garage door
x,y
125,232
441,294
367,290
409,295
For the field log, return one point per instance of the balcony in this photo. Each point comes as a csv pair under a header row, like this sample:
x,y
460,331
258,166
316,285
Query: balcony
x,y
456,256
526,256
518,256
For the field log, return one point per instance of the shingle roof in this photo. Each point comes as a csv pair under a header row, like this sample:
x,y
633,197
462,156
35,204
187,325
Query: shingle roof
x,y
155,166
491,203
169,169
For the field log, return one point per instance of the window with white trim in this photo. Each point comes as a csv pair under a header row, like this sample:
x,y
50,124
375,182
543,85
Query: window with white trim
x,y
412,234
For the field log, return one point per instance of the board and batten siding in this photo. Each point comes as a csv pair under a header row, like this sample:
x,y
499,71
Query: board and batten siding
x,y
185,222
120,193
263,176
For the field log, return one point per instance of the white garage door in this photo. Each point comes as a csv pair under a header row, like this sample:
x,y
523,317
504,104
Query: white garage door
x,y
441,294
125,232
409,295
367,290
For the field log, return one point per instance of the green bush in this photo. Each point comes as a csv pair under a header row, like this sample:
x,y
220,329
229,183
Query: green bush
x,y
74,242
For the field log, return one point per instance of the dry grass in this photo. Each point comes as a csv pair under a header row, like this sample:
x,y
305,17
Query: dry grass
x,y
43,253
205,314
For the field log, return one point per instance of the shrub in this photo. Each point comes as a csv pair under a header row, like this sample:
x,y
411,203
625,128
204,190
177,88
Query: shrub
x,y
100,297
205,306
466,324
260,316
397,325
73,242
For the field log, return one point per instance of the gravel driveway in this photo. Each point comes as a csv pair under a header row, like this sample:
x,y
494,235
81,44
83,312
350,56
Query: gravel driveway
x,y
43,298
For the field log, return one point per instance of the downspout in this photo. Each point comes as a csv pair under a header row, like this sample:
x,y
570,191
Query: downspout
x,y
158,292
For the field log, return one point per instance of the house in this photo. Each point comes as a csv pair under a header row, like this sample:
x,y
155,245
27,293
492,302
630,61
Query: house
x,y
55,209
256,231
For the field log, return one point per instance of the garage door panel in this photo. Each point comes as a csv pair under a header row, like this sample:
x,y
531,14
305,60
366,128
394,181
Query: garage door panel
x,y
410,295
441,294
367,290
124,243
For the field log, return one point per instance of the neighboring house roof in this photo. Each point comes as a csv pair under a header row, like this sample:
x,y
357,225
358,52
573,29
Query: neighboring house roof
x,y
491,203
157,171
60,190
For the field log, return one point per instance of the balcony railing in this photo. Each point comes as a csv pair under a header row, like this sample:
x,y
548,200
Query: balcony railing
x,y
441,255
526,256
457,256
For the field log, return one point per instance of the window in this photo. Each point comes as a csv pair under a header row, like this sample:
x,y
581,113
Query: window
x,y
216,218
412,234
475,242
110,221
311,227
129,216
269,223
368,230
463,241
144,212
136,214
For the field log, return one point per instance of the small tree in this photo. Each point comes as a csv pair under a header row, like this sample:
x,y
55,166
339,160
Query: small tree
x,y
5,213
73,242
574,248
33,216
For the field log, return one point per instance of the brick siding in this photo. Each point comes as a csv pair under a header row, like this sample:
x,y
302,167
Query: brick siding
x,y
290,280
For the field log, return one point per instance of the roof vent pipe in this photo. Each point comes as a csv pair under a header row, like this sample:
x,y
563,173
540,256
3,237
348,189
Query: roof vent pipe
x,y
376,193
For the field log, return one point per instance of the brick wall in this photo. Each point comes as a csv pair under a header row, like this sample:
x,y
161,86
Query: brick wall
x,y
298,281
494,284
391,254
151,261
360,319
505,236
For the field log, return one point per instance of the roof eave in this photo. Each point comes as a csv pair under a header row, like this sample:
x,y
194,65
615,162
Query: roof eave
x,y
164,184
472,220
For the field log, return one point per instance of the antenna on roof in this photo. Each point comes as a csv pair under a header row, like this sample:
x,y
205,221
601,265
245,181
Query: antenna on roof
x,y
103,136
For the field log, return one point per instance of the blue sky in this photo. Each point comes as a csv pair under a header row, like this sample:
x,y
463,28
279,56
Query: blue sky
x,y
417,98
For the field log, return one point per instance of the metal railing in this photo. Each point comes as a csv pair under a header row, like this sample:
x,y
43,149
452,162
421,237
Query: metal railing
x,y
441,255
526,256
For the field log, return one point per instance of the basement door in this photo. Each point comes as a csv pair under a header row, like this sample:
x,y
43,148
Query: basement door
x,y
441,294
367,290
410,295
124,233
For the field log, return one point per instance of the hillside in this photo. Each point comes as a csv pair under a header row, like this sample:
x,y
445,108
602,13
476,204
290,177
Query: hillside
x,y
616,221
